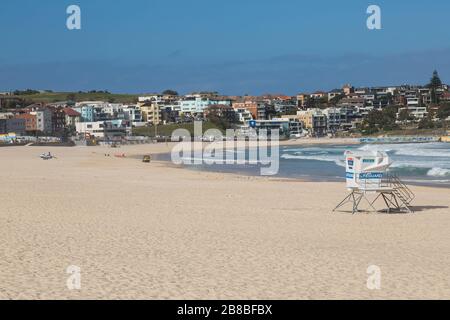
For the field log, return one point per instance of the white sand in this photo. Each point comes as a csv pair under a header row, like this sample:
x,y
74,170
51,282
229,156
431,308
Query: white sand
x,y
157,232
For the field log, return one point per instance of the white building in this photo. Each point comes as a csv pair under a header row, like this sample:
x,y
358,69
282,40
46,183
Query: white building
x,y
102,129
133,113
90,103
164,102
365,110
112,109
43,120
336,118
412,102
158,98
243,115
197,103
416,112
90,110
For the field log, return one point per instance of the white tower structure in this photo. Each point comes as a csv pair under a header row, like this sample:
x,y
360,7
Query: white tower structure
x,y
368,173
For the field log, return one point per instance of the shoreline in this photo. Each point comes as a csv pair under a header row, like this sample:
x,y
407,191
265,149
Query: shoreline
x,y
300,141
413,181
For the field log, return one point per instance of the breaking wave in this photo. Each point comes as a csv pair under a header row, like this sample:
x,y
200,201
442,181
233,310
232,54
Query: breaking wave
x,y
337,161
439,172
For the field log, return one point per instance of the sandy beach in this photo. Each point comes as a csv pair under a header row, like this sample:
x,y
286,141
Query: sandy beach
x,y
154,231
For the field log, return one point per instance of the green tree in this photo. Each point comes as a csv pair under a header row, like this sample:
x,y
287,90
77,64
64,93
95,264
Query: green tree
x,y
170,92
404,116
443,112
25,92
380,120
337,98
427,123
435,83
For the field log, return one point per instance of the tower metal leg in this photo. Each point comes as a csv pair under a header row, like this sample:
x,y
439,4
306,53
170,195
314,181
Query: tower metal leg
x,y
355,198
346,200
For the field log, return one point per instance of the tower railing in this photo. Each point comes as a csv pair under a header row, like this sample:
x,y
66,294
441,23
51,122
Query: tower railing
x,y
393,182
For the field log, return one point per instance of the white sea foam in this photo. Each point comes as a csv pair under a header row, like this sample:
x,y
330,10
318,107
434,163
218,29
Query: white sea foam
x,y
375,147
411,149
331,158
419,164
438,172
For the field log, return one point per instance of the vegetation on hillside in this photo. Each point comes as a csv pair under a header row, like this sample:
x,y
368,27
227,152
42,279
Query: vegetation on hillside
x,y
170,92
33,96
380,120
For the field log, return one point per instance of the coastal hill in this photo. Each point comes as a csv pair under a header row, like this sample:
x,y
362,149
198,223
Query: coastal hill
x,y
52,97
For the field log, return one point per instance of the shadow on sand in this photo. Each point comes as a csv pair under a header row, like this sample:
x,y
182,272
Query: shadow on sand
x,y
427,208
415,209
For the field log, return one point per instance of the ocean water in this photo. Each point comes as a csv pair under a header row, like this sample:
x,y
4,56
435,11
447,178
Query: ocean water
x,y
416,163
419,163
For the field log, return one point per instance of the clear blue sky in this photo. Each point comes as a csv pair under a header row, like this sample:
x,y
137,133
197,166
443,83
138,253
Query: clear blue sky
x,y
233,46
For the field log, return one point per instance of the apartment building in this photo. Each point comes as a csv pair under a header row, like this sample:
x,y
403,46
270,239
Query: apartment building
x,y
196,104
348,89
58,119
12,125
314,120
256,108
417,112
351,102
303,100
71,117
111,129
318,95
336,119
243,115
43,120
91,110
30,122
150,113
133,113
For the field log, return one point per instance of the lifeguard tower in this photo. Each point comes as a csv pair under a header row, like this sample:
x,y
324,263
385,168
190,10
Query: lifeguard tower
x,y
367,174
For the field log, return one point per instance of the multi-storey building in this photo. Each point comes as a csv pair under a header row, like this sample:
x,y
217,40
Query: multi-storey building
x,y
314,120
58,119
133,113
109,130
30,122
43,120
72,117
243,115
303,100
16,125
151,113
195,104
